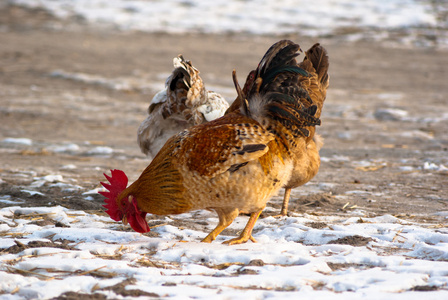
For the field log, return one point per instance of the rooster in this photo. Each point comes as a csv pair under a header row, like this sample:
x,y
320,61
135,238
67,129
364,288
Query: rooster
x,y
313,90
183,103
230,165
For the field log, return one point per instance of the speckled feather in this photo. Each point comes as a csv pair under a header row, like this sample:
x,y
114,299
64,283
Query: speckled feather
x,y
183,103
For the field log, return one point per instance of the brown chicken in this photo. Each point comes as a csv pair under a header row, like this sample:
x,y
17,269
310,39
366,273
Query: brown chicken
x,y
230,165
313,91
183,103
307,161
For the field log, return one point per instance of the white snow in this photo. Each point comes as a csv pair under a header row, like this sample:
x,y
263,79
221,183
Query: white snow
x,y
7,199
32,193
101,150
40,181
434,167
68,147
94,191
258,17
69,167
22,141
298,261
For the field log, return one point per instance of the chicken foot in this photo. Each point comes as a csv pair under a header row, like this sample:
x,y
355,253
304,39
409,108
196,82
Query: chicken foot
x,y
226,217
246,234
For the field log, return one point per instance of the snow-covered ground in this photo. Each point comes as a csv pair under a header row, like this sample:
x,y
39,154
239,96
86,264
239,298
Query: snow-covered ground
x,y
49,251
323,257
408,21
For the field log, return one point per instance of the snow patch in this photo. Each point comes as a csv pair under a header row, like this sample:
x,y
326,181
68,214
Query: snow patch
x,y
20,141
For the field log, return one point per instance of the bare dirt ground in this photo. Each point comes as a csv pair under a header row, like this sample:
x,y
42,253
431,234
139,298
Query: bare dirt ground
x,y
385,116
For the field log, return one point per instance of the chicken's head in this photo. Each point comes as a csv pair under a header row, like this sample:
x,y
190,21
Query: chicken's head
x,y
123,207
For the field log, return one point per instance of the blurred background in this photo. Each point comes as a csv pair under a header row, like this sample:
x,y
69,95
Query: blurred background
x,y
397,22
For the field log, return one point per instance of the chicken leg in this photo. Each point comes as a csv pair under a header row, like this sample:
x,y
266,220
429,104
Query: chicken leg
x,y
226,217
247,232
284,210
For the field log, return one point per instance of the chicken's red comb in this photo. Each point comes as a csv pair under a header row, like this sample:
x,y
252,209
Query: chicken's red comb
x,y
118,182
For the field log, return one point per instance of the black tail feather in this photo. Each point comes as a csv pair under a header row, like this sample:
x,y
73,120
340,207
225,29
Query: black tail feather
x,y
281,53
320,61
269,77
285,101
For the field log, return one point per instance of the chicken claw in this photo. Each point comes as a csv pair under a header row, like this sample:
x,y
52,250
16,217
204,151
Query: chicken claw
x,y
240,240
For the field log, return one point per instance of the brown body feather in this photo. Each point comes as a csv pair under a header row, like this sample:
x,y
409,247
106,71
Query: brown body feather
x,y
212,166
